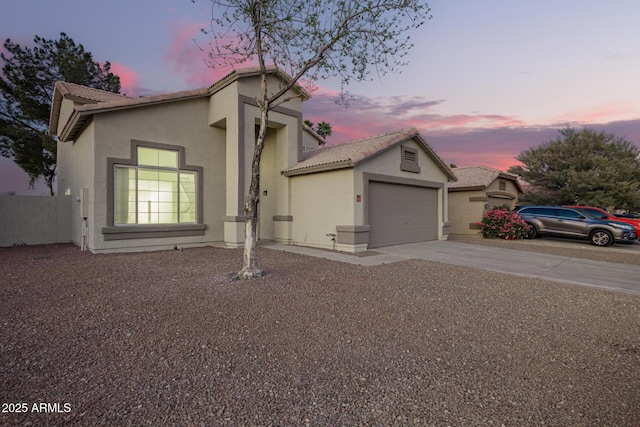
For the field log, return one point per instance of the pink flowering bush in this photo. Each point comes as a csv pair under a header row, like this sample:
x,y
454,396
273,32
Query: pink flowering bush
x,y
502,223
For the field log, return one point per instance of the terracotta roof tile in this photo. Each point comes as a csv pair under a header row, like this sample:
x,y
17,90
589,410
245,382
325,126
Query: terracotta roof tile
x,y
83,93
133,102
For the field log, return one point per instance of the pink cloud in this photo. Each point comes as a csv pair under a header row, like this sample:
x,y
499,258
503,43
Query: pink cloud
x,y
370,116
128,79
463,139
188,58
615,110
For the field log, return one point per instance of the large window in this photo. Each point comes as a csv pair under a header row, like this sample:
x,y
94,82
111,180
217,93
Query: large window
x,y
155,191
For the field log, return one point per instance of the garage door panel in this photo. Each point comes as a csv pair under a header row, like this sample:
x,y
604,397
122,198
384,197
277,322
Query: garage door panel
x,y
401,214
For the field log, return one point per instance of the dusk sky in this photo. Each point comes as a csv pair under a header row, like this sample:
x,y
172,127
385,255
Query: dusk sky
x,y
485,81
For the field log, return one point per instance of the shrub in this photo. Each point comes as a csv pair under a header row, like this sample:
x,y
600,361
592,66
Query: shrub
x,y
502,223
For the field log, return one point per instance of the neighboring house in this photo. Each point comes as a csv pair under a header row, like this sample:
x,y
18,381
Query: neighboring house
x,y
478,190
150,173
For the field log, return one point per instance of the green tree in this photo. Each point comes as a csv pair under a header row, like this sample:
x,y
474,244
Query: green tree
x,y
26,87
314,39
585,167
323,129
309,123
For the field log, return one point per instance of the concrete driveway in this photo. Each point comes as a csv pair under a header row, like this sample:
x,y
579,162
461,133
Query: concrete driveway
x,y
613,276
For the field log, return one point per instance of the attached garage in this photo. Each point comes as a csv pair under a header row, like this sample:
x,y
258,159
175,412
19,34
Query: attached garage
x,y
379,191
401,214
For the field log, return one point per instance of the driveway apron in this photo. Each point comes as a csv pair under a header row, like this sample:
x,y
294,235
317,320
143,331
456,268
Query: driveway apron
x,y
613,276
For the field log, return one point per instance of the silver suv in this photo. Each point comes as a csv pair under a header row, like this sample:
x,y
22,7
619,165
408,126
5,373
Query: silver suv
x,y
575,223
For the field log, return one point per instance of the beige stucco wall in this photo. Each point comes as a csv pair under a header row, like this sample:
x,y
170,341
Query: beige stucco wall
x,y
498,197
319,203
251,86
179,123
465,208
309,140
469,207
75,171
66,109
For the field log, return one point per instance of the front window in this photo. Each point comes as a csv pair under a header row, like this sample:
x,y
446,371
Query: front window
x,y
155,191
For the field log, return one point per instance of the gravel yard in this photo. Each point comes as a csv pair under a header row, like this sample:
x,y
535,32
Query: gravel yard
x,y
168,338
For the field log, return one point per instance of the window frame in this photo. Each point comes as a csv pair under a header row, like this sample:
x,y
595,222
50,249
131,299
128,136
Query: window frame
x,y
138,231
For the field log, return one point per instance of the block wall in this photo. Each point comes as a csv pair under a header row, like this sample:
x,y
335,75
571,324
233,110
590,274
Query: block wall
x,y
34,220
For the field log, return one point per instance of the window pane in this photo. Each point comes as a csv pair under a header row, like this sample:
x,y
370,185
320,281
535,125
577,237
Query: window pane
x,y
125,195
147,156
168,159
187,196
147,212
156,157
148,175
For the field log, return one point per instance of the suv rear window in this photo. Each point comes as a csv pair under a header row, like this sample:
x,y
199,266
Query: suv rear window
x,y
567,213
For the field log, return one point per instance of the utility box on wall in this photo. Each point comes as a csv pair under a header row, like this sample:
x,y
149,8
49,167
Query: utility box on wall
x,y
84,203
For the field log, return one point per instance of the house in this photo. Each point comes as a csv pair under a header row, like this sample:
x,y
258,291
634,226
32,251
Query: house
x,y
154,172
477,190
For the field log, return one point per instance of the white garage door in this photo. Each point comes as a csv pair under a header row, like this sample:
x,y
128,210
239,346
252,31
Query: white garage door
x,y
401,214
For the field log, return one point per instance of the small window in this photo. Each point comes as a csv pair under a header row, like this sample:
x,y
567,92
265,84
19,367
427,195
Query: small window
x,y
502,185
409,160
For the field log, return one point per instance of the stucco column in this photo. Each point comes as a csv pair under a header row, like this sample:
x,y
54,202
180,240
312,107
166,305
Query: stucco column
x,y
222,115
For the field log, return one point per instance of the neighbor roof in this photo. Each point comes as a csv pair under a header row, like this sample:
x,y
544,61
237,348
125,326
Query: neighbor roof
x,y
353,153
479,178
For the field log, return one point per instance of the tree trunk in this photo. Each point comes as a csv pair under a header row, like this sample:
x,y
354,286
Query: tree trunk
x,y
250,267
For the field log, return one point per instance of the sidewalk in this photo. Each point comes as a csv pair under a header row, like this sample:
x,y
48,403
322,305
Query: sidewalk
x,y
612,276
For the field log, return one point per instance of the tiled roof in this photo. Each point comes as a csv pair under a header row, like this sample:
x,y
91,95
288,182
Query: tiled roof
x,y
133,102
255,71
477,177
352,153
83,93
94,101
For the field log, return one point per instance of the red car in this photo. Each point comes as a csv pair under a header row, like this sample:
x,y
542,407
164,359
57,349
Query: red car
x,y
601,213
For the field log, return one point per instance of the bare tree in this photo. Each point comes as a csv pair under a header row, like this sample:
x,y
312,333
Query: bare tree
x,y
311,40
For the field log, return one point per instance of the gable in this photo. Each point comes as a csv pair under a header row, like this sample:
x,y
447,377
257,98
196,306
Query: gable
x,y
364,150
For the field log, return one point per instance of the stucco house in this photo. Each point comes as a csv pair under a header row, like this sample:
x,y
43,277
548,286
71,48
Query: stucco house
x,y
153,172
477,190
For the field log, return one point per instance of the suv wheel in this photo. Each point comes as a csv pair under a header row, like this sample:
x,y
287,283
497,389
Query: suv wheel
x,y
601,238
532,233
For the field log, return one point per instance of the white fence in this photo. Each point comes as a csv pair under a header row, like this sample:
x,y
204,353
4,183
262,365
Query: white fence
x,y
34,220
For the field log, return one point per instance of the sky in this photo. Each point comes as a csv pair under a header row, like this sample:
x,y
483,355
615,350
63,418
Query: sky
x,y
485,81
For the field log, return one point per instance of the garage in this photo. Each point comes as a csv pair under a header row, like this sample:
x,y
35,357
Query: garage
x,y
401,214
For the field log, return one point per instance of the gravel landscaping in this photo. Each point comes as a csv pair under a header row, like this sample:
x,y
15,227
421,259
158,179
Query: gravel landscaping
x,y
169,338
